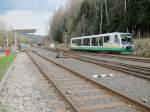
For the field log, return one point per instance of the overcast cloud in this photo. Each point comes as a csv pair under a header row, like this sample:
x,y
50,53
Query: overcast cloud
x,y
21,14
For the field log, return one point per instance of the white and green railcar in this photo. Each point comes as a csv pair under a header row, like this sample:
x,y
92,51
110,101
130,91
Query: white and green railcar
x,y
109,42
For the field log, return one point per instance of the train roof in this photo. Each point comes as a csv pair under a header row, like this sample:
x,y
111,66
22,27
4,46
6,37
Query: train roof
x,y
114,33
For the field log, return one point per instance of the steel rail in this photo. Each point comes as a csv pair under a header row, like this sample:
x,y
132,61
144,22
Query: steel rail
x,y
132,58
135,66
127,99
147,69
61,91
118,63
129,70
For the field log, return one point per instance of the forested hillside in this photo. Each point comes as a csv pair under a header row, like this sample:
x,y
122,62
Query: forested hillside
x,y
89,17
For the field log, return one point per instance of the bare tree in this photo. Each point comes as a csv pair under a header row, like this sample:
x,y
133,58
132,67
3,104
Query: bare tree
x,y
106,10
3,31
125,5
101,23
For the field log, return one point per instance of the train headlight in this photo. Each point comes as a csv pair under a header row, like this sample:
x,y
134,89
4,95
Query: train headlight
x,y
124,47
132,46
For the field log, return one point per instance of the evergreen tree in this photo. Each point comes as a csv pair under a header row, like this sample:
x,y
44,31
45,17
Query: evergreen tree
x,y
89,17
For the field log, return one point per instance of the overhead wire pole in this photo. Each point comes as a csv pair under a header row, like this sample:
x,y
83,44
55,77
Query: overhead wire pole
x,y
101,17
64,30
65,40
106,8
125,5
125,12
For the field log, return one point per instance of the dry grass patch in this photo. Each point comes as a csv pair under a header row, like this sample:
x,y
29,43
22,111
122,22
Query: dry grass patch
x,y
142,47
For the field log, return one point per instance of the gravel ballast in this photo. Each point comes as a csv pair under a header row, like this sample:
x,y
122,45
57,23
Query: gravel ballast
x,y
134,87
82,89
115,59
26,90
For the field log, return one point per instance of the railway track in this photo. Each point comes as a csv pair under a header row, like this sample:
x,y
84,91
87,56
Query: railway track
x,y
56,92
131,58
116,56
138,71
84,93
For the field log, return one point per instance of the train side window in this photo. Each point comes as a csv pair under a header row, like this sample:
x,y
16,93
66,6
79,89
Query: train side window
x,y
95,41
101,41
106,39
78,42
117,40
86,42
73,41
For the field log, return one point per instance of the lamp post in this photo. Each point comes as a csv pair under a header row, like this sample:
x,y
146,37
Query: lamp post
x,y
101,24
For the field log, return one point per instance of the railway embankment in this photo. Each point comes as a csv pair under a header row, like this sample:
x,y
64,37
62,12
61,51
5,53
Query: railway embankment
x,y
142,47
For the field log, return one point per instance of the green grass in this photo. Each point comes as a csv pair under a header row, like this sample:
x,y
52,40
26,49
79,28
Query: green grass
x,y
6,108
5,62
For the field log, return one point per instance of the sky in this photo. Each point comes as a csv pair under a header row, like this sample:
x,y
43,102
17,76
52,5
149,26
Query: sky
x,y
29,14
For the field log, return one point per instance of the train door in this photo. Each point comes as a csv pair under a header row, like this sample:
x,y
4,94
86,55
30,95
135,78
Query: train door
x,y
116,40
73,42
94,41
86,42
101,39
79,42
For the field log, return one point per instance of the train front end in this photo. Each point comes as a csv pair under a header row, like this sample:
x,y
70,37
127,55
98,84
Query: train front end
x,y
127,43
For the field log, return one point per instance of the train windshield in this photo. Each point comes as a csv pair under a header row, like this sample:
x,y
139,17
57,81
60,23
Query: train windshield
x,y
126,38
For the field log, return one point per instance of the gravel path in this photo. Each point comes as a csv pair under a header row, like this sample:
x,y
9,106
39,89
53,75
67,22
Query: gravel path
x,y
135,87
26,90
